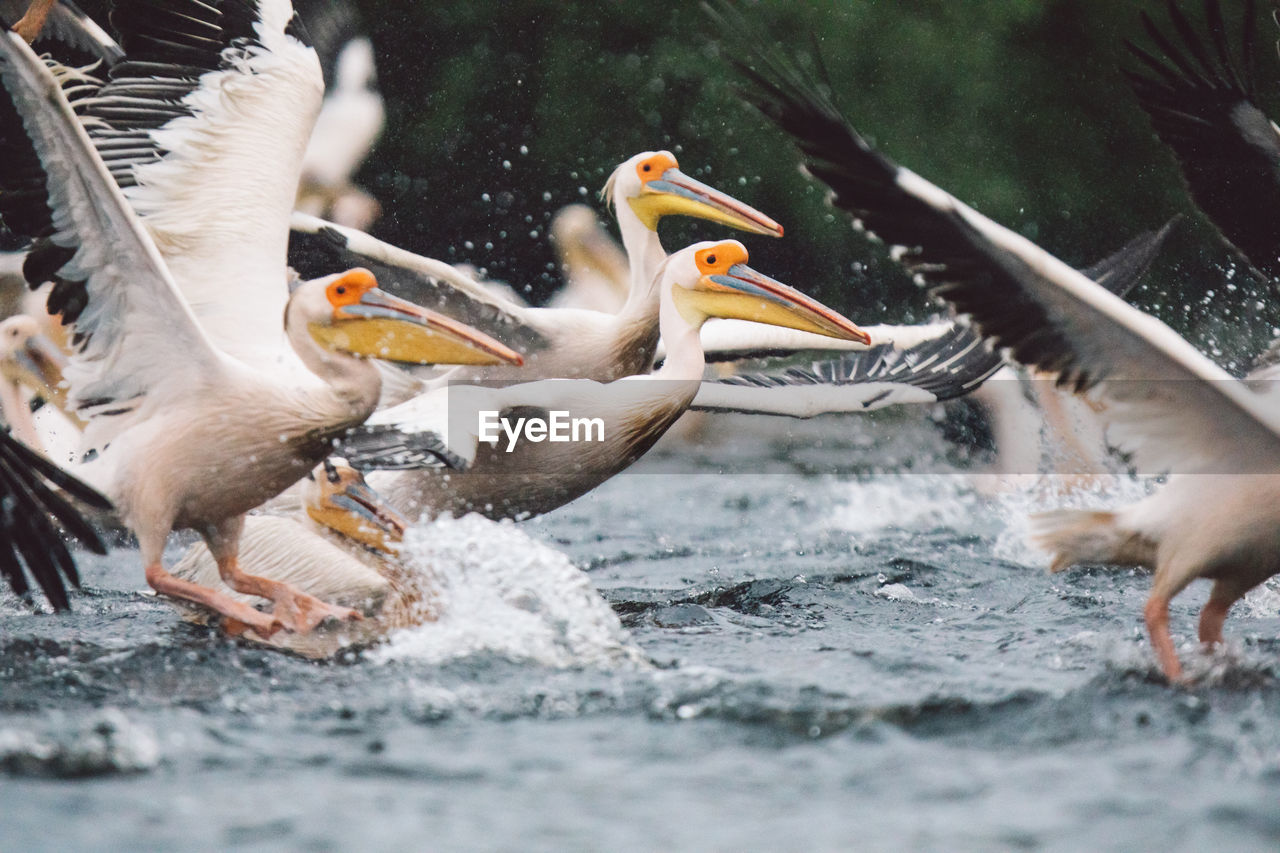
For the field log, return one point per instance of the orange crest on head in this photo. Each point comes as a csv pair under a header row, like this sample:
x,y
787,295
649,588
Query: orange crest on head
x,y
348,288
655,166
716,260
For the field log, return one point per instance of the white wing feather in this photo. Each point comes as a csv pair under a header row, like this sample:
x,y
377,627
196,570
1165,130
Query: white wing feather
x,y
141,341
218,203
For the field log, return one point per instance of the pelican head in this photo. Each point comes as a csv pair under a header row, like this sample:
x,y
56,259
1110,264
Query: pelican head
x,y
654,187
15,332
712,279
348,312
28,357
337,497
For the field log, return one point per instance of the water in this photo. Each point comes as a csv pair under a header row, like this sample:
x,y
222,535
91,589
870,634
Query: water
x,y
866,659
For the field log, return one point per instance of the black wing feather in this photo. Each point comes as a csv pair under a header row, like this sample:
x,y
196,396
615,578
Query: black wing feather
x,y
1206,110
948,366
29,510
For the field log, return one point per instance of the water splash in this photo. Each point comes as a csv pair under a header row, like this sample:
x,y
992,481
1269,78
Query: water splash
x,y
903,502
504,593
1262,602
1016,505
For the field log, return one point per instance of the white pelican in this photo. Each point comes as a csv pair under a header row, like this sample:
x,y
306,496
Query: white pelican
x,y
595,269
16,334
37,494
343,546
1218,516
563,342
1207,110
528,473
350,120
185,434
33,395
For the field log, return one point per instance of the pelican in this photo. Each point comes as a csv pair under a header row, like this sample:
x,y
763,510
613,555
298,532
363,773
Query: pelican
x,y
344,546
1218,515
564,342
350,120
15,334
183,433
516,476
594,266
1207,111
33,395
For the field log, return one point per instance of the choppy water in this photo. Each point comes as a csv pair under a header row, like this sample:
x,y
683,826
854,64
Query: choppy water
x,y
865,660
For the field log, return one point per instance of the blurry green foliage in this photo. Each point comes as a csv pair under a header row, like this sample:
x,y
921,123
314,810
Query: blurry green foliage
x,y
501,111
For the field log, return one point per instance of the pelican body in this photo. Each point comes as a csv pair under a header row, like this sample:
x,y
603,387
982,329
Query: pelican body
x,y
534,476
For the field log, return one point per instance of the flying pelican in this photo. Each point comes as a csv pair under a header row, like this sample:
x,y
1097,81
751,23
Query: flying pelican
x,y
344,547
535,473
182,433
564,342
1218,515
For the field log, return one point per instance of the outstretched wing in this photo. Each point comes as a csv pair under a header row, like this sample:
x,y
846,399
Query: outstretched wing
x,y
134,336
204,126
414,434
939,368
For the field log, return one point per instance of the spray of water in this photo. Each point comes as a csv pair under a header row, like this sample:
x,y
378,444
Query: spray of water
x,y
505,594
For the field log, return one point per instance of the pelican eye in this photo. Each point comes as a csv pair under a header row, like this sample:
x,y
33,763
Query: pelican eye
x,y
341,290
647,167
711,259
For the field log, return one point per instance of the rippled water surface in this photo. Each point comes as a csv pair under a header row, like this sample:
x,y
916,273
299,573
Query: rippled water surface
x,y
864,659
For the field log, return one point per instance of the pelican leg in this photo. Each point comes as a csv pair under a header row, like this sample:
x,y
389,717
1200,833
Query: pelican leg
x,y
30,25
239,615
1215,612
295,609
1156,615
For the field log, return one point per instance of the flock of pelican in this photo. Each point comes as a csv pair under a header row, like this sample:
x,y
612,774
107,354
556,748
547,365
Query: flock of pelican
x,y
161,185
